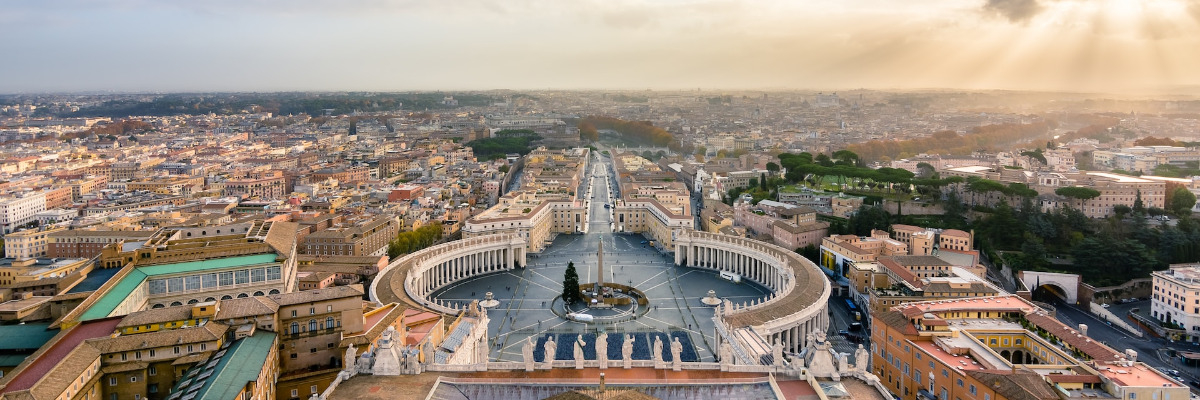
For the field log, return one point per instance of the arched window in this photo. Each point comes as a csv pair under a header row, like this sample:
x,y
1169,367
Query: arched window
x,y
258,293
274,291
203,232
226,297
158,306
176,303
295,328
243,295
210,299
312,324
329,323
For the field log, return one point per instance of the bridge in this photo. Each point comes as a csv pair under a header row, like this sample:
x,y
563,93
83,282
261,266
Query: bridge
x,y
1064,286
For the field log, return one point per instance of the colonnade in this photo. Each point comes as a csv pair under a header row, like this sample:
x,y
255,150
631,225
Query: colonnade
x,y
799,302
433,268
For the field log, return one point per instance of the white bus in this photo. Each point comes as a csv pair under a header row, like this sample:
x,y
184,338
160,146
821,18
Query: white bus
x,y
732,277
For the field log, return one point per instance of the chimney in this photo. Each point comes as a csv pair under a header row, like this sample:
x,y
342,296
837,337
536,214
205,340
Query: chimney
x,y
1131,354
601,383
1083,329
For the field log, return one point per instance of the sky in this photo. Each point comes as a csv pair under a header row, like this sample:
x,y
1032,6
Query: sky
x,y
1120,46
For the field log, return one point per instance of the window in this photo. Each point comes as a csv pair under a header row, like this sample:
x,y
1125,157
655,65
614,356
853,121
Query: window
x,y
272,273
112,381
295,328
960,383
329,308
176,349
972,390
313,388
133,379
225,278
152,371
329,323
192,282
137,397
153,388
312,310
312,350
258,275
293,313
124,356
295,393
151,354
312,324
293,356
242,276
158,286
209,280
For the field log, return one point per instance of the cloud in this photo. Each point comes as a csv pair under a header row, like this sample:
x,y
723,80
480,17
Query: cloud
x,y
1013,10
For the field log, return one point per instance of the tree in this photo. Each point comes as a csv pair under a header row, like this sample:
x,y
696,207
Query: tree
x,y
811,252
503,169
570,292
925,169
824,160
753,183
1138,205
701,150
773,168
1033,252
869,218
1082,194
762,184
1181,201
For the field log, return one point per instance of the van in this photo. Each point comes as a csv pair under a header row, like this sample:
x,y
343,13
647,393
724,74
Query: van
x,y
732,277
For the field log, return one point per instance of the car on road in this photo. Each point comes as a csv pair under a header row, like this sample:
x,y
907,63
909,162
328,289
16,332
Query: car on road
x,y
844,332
1104,305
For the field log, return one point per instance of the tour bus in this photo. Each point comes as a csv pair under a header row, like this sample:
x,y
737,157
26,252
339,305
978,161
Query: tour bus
x,y
580,317
732,277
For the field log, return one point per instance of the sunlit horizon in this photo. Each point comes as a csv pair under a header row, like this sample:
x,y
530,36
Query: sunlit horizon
x,y
1089,46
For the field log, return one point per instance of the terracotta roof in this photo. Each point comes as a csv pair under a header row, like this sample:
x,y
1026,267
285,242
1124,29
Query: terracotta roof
x,y
897,321
1016,385
204,333
156,315
309,296
246,307
1078,378
1094,349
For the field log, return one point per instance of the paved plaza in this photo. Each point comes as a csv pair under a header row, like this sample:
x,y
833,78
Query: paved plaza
x,y
527,295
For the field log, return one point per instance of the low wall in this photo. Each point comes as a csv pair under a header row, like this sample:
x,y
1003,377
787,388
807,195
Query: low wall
x,y
1107,316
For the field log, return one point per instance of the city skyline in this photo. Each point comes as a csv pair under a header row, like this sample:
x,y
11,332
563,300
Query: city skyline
x,y
1118,46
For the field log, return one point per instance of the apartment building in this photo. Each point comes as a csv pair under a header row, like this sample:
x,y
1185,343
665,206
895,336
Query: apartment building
x,y
986,348
366,236
81,243
20,209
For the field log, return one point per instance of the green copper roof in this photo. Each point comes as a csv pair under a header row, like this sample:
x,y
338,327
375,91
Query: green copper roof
x,y
26,337
109,301
240,364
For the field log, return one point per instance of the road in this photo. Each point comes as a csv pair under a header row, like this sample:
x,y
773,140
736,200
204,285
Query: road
x,y
1151,350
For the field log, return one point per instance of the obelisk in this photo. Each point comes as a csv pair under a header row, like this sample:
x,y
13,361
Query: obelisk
x,y
600,271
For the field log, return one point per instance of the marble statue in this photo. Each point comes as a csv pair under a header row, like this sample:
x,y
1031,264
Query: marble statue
x,y
427,351
727,354
777,354
810,342
861,358
843,363
579,343
602,349
350,361
527,353
550,355
658,351
410,362
676,355
627,351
